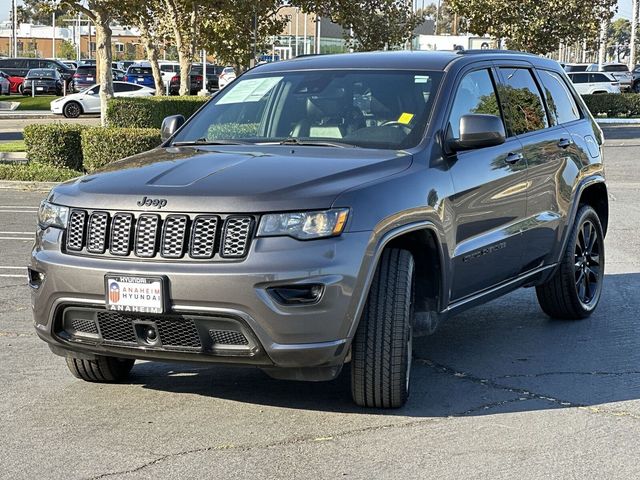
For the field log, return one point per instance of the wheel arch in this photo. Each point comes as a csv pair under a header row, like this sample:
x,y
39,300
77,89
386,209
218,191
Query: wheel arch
x,y
596,196
414,237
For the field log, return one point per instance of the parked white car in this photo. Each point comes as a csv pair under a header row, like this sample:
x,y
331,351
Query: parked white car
x,y
168,70
88,100
620,72
227,76
588,83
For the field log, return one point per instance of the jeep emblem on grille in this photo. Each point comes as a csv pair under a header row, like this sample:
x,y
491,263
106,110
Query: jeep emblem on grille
x,y
152,202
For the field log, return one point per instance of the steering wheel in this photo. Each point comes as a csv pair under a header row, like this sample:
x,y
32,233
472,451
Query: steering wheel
x,y
396,123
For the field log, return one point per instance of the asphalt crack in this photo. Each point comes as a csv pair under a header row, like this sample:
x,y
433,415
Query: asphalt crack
x,y
525,394
281,443
551,374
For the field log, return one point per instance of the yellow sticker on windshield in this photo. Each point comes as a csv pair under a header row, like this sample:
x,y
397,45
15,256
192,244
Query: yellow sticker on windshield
x,y
405,118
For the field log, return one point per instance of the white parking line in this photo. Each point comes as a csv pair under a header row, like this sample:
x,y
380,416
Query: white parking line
x,y
19,206
16,233
16,238
11,268
18,211
12,276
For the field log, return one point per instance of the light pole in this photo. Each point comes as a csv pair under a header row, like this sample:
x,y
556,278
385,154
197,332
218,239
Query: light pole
x,y
15,28
53,36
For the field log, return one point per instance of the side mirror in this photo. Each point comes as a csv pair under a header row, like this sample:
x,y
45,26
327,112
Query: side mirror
x,y
478,131
170,125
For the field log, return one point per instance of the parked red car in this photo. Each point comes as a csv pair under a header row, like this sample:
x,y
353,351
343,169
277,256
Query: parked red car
x,y
15,83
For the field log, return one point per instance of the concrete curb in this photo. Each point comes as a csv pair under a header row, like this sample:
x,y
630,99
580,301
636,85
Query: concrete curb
x,y
618,121
29,186
13,157
28,115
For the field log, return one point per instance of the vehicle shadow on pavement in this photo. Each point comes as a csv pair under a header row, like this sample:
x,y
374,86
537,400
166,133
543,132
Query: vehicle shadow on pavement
x,y
505,356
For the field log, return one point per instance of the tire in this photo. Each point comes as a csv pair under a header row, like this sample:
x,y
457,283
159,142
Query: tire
x,y
382,348
636,87
72,110
574,290
100,370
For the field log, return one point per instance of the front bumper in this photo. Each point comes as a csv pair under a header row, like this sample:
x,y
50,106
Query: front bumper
x,y
286,340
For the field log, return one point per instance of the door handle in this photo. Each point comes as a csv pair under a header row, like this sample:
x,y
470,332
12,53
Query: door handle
x,y
565,142
513,158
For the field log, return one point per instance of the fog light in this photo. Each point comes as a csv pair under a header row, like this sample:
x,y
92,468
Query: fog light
x,y
35,278
297,294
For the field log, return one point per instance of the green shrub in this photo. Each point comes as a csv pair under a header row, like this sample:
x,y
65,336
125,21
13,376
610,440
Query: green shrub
x,y
103,145
613,104
36,172
56,144
148,112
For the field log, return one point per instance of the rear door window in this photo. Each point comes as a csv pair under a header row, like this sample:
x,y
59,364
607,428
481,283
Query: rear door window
x,y
521,101
560,103
598,78
580,78
475,94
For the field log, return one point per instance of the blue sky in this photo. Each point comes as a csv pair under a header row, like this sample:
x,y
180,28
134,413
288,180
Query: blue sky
x,y
624,9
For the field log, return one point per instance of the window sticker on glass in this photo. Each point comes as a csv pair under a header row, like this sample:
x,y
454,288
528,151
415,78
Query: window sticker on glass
x,y
250,90
420,79
405,118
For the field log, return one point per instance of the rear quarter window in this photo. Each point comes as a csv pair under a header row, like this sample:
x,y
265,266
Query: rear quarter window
x,y
560,102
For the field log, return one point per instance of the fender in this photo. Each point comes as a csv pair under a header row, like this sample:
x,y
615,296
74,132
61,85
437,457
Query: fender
x,y
575,203
374,251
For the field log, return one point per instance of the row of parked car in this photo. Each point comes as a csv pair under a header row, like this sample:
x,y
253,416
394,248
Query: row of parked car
x,y
20,75
591,78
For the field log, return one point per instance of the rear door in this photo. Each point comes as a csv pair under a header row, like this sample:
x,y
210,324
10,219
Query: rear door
x,y
490,194
552,171
545,142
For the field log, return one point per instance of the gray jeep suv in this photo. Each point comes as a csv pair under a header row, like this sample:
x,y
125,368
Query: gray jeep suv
x,y
327,210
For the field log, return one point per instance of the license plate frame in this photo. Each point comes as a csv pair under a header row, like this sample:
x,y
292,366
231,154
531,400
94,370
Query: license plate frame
x,y
136,293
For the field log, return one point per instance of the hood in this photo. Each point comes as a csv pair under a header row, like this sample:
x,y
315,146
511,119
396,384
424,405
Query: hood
x,y
233,179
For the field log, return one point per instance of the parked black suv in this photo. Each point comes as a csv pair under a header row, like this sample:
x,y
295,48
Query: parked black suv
x,y
327,210
195,79
19,67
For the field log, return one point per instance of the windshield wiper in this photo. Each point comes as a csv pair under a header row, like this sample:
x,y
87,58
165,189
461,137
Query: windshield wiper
x,y
205,141
314,143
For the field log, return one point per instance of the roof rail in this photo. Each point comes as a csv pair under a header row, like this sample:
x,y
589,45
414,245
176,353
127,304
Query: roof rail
x,y
491,51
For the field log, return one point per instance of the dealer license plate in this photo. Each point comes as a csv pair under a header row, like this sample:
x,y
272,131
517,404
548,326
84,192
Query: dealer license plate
x,y
131,293
39,89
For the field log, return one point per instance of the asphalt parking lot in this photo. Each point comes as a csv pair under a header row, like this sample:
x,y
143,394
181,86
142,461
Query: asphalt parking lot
x,y
498,392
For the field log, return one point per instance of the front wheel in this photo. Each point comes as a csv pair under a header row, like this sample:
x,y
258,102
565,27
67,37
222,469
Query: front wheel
x,y
100,370
72,110
574,290
382,348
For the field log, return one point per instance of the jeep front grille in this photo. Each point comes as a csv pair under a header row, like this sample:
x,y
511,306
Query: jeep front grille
x,y
149,235
175,332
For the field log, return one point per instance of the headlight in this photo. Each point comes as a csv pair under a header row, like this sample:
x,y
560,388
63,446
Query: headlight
x,y
52,215
304,225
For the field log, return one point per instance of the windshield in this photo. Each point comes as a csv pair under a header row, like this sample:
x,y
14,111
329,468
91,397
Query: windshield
x,y
41,73
615,68
139,71
362,108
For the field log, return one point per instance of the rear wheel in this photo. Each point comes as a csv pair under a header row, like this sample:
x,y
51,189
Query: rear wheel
x,y
382,348
574,291
100,370
72,110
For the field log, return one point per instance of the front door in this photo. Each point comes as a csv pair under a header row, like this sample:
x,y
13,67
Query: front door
x,y
489,203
